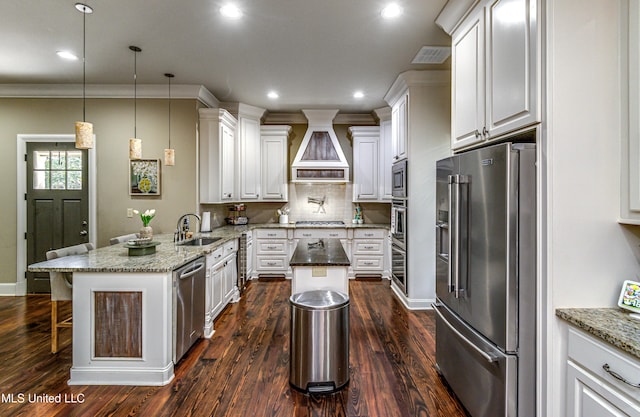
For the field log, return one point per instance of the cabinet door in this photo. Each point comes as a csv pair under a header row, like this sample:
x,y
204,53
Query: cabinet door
x,y
230,277
217,295
249,159
274,167
365,168
511,79
400,130
386,160
467,67
227,138
587,396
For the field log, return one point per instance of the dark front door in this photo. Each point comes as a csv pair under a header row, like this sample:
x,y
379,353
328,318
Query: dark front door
x,y
57,203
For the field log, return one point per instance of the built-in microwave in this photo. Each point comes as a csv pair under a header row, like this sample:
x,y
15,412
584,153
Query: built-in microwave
x,y
399,179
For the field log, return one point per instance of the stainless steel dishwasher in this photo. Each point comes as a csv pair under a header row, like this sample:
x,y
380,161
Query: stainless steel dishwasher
x,y
188,306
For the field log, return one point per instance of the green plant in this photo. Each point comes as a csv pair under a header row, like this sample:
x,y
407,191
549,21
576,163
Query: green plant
x,y
147,216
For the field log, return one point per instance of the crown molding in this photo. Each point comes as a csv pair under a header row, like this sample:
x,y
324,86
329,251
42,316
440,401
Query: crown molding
x,y
415,78
453,13
298,118
383,113
178,91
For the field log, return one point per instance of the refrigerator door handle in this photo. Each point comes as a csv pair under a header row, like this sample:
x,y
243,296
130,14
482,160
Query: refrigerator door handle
x,y
457,224
452,234
489,357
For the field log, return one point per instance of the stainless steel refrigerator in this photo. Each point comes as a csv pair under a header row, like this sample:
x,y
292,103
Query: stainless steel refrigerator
x,y
486,278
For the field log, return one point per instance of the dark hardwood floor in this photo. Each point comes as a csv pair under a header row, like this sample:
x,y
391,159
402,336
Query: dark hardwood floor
x,y
243,370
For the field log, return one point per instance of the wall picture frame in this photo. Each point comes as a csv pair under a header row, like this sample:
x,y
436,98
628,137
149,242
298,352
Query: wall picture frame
x,y
144,177
630,296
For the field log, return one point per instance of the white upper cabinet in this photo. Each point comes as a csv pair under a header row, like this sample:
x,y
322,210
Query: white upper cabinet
x,y
366,162
400,127
249,159
494,71
217,155
275,163
386,158
630,162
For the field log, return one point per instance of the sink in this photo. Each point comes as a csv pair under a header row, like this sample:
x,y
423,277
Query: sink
x,y
203,241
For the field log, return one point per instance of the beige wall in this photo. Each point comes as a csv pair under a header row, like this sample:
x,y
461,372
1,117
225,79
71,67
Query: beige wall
x,y
113,125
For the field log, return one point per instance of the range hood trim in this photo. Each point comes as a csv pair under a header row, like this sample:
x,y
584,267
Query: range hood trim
x,y
320,121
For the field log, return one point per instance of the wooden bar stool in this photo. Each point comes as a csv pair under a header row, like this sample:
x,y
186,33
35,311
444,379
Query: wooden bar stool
x,y
61,288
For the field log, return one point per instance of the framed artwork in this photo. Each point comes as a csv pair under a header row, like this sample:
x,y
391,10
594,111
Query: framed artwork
x,y
144,177
630,296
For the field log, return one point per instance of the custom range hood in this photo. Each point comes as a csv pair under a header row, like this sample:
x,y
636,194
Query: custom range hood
x,y
320,157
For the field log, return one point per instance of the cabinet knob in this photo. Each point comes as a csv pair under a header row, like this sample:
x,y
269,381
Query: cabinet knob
x,y
477,134
485,132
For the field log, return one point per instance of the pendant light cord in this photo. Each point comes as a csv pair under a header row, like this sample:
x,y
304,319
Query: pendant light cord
x,y
169,112
135,96
84,65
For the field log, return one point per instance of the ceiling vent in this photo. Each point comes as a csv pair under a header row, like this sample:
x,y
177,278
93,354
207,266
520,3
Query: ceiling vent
x,y
320,157
432,55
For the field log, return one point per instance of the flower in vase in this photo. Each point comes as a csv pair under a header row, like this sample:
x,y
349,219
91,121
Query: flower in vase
x,y
146,216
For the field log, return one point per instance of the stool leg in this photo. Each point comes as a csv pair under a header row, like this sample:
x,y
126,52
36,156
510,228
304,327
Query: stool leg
x,y
54,326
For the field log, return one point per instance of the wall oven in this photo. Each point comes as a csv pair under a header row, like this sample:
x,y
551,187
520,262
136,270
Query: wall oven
x,y
399,244
399,179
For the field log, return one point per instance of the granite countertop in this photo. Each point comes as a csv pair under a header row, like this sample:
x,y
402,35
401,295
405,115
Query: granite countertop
x,y
613,325
292,225
319,252
168,255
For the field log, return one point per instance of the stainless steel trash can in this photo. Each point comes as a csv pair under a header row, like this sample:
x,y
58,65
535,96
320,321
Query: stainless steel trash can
x,y
319,349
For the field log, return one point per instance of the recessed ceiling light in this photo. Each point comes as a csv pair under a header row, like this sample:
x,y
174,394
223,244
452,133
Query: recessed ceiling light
x,y
391,11
358,94
231,11
67,55
273,95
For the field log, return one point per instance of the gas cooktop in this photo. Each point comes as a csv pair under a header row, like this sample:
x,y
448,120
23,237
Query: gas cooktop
x,y
319,223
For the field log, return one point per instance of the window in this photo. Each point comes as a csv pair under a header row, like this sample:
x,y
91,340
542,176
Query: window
x,y
57,170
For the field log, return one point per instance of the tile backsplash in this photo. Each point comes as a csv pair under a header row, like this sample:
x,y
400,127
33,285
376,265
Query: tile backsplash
x,y
337,206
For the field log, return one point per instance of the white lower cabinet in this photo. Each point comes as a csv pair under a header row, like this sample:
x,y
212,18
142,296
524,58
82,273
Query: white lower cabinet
x,y
272,252
368,250
594,370
221,279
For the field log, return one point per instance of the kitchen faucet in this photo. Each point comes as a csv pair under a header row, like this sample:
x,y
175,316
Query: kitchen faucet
x,y
181,231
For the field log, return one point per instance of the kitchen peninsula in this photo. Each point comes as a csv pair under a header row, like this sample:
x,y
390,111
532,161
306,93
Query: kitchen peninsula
x,y
319,264
123,310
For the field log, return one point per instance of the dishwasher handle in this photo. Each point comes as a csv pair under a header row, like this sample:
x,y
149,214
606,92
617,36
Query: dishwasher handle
x,y
191,271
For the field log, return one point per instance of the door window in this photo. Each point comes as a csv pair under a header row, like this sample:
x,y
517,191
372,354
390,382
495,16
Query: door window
x,y
57,170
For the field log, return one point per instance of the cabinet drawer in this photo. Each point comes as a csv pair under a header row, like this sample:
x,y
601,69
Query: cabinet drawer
x,y
320,233
215,256
593,354
271,263
368,247
231,246
367,263
271,233
271,247
369,233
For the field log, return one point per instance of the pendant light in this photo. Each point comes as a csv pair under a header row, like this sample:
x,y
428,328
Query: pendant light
x,y
84,129
169,154
135,144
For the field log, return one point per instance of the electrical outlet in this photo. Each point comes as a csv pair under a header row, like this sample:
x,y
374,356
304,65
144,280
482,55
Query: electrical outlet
x,y
129,212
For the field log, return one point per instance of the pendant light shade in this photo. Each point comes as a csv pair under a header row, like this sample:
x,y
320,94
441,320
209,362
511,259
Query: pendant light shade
x,y
84,129
135,144
169,154
135,148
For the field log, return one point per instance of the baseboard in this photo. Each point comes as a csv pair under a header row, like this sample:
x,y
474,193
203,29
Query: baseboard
x,y
412,303
9,290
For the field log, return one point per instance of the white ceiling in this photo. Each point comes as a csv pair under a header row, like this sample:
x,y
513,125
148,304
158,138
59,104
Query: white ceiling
x,y
315,53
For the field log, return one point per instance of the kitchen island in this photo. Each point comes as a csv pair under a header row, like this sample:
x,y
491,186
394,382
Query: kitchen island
x,y
123,311
319,264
